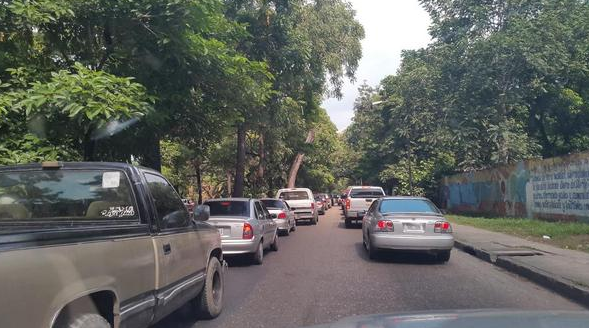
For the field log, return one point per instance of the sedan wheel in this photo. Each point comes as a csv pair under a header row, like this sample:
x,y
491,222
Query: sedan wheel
x,y
258,256
372,251
274,245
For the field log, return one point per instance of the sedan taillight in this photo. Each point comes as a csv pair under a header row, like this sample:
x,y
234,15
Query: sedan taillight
x,y
248,231
385,226
442,227
282,215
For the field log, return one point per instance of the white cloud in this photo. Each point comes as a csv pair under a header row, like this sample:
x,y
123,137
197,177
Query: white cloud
x,y
391,26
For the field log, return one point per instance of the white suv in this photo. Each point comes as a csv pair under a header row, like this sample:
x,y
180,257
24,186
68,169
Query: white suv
x,y
302,202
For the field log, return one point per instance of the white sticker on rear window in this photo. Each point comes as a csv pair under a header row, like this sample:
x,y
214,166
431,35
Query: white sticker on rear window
x,y
111,179
118,212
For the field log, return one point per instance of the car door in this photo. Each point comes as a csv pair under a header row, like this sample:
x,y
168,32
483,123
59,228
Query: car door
x,y
181,269
367,220
271,224
290,214
263,222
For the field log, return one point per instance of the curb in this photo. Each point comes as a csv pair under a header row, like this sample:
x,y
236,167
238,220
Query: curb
x,y
563,287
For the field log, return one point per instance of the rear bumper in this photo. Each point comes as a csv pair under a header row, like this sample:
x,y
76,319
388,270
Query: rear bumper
x,y
305,215
232,247
282,224
412,242
354,214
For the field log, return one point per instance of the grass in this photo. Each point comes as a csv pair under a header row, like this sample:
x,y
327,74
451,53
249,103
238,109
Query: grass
x,y
570,235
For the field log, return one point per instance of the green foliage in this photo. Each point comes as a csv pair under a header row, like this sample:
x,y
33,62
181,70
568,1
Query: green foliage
x,y
87,97
502,81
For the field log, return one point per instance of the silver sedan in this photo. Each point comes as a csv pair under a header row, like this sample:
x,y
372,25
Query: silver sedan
x,y
406,223
245,225
284,217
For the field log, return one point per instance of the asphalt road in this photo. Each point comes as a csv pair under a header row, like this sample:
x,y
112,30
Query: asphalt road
x,y
322,273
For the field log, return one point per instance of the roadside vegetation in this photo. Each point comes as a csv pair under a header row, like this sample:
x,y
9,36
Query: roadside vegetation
x,y
569,235
223,95
501,81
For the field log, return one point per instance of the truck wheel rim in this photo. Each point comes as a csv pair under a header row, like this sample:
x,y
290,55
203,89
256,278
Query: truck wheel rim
x,y
217,287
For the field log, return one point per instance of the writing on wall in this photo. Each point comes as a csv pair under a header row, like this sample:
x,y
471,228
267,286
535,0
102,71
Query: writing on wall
x,y
560,188
552,189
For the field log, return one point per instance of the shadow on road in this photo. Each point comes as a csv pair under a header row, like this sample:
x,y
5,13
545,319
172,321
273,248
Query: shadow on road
x,y
354,226
181,318
399,257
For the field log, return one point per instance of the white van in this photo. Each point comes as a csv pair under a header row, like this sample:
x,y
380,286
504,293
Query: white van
x,y
302,202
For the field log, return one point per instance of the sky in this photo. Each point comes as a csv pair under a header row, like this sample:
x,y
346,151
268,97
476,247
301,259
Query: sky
x,y
390,26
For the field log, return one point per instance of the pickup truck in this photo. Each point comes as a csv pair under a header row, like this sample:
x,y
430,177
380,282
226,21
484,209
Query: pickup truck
x,y
302,202
101,245
357,201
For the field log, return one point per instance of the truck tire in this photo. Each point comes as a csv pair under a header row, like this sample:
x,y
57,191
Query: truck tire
x,y
87,320
210,300
443,256
258,255
348,223
274,245
314,221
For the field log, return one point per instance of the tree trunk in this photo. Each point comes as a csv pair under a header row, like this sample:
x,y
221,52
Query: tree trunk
x,y
240,162
294,170
199,182
262,152
296,164
89,146
228,173
153,158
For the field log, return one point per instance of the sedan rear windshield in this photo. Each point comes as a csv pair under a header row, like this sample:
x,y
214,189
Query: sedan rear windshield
x,y
408,206
66,195
229,208
273,203
294,195
366,193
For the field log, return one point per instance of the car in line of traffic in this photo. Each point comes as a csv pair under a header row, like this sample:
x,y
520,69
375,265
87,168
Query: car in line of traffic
x,y
406,224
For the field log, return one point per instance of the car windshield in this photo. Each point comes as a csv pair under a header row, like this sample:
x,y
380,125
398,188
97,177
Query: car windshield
x,y
73,195
273,203
229,208
294,195
366,192
407,206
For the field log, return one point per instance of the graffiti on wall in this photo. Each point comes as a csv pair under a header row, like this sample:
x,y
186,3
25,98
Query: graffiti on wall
x,y
551,189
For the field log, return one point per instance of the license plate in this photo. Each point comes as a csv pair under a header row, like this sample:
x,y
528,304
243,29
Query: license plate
x,y
361,213
412,227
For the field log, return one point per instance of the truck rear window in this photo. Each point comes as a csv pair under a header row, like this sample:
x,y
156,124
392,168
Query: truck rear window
x,y
366,193
273,203
229,208
294,195
408,206
70,195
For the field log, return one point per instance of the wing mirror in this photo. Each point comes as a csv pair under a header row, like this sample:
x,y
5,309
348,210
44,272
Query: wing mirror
x,y
202,213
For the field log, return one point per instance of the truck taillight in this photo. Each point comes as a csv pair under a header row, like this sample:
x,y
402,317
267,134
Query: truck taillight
x,y
248,231
312,206
442,227
347,203
385,225
282,215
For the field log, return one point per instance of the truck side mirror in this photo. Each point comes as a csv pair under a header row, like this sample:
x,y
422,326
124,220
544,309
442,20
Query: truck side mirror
x,y
202,212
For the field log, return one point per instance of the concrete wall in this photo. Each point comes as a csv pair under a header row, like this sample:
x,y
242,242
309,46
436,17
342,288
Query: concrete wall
x,y
551,189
